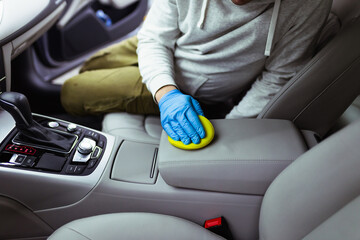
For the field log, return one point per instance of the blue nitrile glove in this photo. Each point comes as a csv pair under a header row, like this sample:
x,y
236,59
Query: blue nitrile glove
x,y
179,117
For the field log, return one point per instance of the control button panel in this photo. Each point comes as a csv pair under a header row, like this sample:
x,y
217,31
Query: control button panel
x,y
81,160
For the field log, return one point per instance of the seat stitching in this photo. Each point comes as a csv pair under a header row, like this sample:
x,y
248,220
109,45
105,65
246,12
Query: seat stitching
x,y
331,215
299,75
230,160
78,233
144,120
326,89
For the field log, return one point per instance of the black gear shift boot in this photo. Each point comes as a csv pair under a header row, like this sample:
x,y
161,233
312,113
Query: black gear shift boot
x,y
39,136
31,132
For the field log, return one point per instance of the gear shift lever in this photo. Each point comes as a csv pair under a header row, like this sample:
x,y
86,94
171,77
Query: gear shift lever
x,y
18,106
32,132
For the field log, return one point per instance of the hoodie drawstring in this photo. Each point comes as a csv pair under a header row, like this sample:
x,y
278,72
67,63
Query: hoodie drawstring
x,y
204,7
271,33
272,28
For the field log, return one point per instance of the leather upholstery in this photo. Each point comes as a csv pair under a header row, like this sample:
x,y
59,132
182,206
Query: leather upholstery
x,y
245,157
316,186
316,197
346,10
139,128
340,225
132,226
317,96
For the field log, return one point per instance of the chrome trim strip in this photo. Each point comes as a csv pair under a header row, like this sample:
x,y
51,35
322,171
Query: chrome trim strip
x,y
1,10
3,78
7,52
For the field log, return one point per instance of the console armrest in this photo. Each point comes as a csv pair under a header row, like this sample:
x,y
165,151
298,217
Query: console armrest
x,y
244,157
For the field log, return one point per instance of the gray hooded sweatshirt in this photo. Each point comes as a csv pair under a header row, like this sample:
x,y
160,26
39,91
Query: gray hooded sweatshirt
x,y
217,51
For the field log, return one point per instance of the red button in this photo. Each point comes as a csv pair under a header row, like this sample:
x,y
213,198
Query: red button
x,y
213,222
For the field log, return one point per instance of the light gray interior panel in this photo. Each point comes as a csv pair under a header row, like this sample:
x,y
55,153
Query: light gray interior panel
x,y
7,123
25,40
244,157
10,25
269,139
241,211
135,162
28,10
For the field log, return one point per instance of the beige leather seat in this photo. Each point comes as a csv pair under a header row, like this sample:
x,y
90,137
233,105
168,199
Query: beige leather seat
x,y
314,99
316,197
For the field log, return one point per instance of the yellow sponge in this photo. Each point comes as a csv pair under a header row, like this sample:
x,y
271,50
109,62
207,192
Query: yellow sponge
x,y
209,135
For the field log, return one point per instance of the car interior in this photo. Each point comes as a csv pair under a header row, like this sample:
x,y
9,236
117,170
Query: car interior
x,y
290,173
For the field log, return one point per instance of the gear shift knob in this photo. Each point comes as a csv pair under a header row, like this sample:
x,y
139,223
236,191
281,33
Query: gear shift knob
x,y
18,106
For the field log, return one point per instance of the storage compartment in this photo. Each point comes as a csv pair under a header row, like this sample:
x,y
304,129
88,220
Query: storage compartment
x,y
76,38
245,157
135,162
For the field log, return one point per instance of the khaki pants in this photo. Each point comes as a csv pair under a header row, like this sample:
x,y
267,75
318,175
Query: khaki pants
x,y
109,81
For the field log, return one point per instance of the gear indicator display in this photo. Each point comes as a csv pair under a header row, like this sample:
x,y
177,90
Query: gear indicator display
x,y
20,149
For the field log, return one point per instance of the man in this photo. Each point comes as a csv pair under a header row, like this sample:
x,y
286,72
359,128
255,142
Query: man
x,y
214,50
231,55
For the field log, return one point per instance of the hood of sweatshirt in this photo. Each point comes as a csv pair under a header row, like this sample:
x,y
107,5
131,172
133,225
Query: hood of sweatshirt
x,y
272,27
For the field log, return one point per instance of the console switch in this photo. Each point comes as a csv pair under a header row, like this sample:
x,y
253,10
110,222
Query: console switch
x,y
74,170
84,150
71,127
29,161
17,159
92,135
96,153
91,163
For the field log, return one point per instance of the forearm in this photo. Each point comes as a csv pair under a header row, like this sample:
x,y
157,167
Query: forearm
x,y
156,45
162,91
155,64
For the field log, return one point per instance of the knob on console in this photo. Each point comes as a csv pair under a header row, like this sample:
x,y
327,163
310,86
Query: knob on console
x,y
85,147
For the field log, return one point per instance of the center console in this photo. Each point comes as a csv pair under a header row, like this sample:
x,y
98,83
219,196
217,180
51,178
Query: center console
x,y
97,173
45,162
45,145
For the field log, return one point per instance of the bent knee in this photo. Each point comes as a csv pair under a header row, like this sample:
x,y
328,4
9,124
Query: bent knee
x,y
72,97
